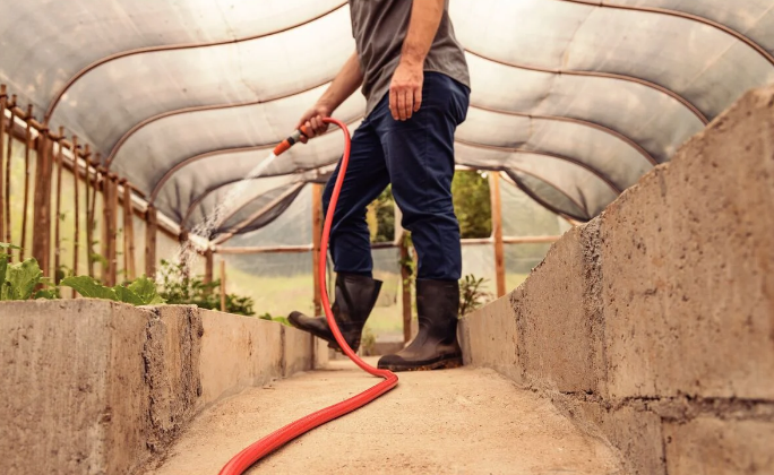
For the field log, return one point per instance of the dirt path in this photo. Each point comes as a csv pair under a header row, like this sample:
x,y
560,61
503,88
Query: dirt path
x,y
464,421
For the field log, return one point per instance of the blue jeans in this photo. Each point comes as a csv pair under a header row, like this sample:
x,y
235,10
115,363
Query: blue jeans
x,y
417,157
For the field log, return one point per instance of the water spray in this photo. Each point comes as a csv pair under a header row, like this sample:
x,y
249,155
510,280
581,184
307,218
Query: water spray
x,y
260,449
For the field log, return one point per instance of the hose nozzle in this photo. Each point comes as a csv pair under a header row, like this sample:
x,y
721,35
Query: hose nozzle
x,y
301,135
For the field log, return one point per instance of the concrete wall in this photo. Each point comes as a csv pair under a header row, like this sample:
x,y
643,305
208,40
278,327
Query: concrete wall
x,y
94,387
653,325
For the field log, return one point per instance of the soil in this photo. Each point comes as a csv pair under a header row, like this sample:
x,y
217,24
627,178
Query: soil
x,y
461,421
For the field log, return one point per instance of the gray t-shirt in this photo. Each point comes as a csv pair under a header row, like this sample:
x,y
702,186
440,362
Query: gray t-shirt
x,y
379,28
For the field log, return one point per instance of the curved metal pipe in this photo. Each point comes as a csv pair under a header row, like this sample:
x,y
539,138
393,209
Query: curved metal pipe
x,y
688,104
155,49
686,16
585,123
614,187
187,110
212,153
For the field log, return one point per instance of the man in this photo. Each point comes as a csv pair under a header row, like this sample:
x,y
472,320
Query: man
x,y
415,79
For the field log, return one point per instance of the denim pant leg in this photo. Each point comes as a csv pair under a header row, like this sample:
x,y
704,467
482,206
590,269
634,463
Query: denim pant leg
x,y
420,158
366,178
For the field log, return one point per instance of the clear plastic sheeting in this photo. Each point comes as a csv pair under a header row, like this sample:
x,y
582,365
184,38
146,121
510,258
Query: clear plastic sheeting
x,y
574,100
292,228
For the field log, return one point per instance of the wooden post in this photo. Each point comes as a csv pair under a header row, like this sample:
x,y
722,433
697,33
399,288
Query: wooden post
x,y
3,104
497,231
405,273
58,207
184,240
76,209
317,225
113,254
222,285
41,211
89,229
209,264
109,227
151,229
129,266
27,172
8,162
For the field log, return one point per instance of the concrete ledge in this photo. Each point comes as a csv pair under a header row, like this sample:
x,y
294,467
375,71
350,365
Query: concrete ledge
x,y
92,387
653,325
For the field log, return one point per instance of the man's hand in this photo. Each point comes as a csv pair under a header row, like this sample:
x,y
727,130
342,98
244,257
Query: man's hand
x,y
313,119
406,90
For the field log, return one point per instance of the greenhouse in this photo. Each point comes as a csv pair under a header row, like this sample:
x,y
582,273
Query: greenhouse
x,y
134,139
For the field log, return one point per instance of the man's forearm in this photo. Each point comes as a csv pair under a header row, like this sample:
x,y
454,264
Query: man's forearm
x,y
425,18
344,85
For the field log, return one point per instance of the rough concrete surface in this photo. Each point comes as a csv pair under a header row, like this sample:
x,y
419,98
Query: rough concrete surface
x,y
689,266
237,352
489,338
558,332
653,325
462,421
708,446
94,387
61,411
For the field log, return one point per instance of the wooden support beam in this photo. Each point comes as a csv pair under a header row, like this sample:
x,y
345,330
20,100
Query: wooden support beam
x,y
222,285
76,208
317,227
130,270
41,211
58,160
8,169
110,230
27,173
406,279
209,264
151,229
497,232
264,250
89,207
186,248
3,106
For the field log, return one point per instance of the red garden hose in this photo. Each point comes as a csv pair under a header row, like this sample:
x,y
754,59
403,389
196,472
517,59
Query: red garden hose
x,y
255,452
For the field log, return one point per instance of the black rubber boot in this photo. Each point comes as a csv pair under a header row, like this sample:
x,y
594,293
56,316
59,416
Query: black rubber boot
x,y
435,346
355,298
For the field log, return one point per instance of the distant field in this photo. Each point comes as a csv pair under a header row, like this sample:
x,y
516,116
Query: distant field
x,y
281,295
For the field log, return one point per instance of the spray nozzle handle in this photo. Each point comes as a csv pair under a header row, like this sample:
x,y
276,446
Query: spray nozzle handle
x,y
301,135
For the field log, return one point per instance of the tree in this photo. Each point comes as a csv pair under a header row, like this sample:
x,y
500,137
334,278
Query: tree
x,y
472,203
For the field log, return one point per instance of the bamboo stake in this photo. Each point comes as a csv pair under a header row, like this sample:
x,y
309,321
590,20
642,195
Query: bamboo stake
x,y
208,268
41,209
150,241
25,207
316,243
129,266
90,197
76,209
497,231
114,228
58,209
8,179
3,104
405,273
222,285
109,235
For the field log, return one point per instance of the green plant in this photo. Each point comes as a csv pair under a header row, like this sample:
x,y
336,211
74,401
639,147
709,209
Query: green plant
x,y
368,342
178,288
269,317
471,294
24,280
472,203
142,291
